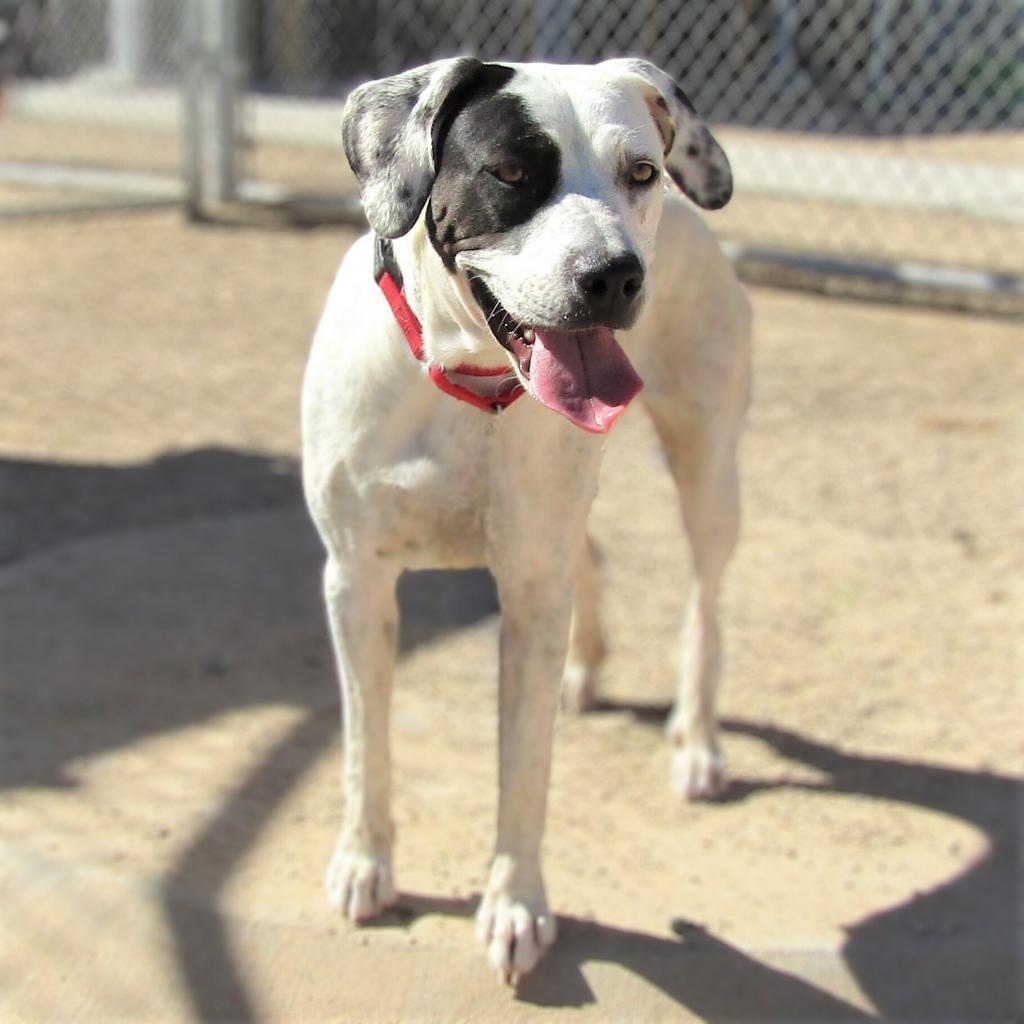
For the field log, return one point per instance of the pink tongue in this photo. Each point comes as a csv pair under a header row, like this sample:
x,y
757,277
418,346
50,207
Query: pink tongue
x,y
584,375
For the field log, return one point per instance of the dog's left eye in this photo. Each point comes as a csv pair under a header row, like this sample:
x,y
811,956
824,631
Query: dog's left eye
x,y
510,173
642,173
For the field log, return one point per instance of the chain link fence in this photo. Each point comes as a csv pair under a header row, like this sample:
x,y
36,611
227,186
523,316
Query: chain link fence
x,y
869,130
90,109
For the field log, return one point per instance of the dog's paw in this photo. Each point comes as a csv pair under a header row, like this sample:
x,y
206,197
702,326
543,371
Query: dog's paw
x,y
579,687
359,885
698,771
514,924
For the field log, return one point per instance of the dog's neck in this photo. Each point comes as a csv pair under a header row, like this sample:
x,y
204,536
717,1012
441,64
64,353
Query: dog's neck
x,y
453,332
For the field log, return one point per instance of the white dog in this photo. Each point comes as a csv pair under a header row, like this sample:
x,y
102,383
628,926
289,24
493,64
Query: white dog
x,y
461,378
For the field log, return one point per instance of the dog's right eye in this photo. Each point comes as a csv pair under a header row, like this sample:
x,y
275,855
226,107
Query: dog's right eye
x,y
643,172
510,173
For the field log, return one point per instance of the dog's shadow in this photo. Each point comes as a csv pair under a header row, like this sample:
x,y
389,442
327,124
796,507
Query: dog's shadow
x,y
942,955
948,953
712,979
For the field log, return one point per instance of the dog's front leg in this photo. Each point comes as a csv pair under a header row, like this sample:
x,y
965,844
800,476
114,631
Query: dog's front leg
x,y
362,610
514,922
586,639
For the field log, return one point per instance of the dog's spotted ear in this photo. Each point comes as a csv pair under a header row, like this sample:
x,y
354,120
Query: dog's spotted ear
x,y
693,158
392,129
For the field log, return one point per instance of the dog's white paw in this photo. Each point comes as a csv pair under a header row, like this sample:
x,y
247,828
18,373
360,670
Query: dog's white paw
x,y
579,687
360,885
698,771
514,924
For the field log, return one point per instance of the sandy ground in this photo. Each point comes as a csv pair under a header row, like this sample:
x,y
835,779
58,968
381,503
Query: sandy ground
x,y
170,750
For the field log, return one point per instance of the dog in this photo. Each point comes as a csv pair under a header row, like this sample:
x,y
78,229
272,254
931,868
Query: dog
x,y
474,350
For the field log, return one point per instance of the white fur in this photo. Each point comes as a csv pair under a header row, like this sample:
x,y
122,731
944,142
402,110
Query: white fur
x,y
398,475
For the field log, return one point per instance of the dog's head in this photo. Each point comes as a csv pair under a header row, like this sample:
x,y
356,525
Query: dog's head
x,y
541,188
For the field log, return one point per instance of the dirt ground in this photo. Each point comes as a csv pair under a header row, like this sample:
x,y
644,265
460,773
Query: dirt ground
x,y
170,746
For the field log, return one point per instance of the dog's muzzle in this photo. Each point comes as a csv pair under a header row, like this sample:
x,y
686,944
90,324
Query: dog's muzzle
x,y
577,369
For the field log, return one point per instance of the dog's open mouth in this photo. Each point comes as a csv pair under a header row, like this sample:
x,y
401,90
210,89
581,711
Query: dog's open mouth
x,y
582,374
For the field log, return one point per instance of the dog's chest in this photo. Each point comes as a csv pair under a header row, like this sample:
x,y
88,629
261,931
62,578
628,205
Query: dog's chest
x,y
430,501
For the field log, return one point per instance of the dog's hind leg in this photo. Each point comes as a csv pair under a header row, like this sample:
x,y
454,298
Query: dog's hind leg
x,y
705,472
586,640
363,615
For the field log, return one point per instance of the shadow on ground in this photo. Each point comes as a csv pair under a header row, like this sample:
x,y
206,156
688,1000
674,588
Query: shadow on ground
x,y
710,978
48,507
45,505
950,954
947,954
45,509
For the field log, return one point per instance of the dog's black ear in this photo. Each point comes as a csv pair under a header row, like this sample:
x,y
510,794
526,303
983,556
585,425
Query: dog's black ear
x,y
694,159
392,128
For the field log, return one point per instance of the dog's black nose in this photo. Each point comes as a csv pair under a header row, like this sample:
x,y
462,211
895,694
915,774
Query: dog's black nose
x,y
610,292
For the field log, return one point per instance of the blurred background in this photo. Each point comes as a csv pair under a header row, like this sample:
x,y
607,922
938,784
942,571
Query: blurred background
x,y
861,130
174,203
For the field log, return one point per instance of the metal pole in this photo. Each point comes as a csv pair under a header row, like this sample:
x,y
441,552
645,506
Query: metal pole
x,y
210,97
879,49
787,23
554,19
126,35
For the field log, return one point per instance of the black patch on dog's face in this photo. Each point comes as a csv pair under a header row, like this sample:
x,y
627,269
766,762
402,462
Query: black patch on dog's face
x,y
469,204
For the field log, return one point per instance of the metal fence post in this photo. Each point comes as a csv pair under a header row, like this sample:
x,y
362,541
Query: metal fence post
x,y
127,23
211,84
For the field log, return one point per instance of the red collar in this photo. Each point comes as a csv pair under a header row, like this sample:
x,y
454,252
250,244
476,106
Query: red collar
x,y
389,278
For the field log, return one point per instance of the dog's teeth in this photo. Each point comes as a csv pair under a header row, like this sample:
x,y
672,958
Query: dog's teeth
x,y
529,336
